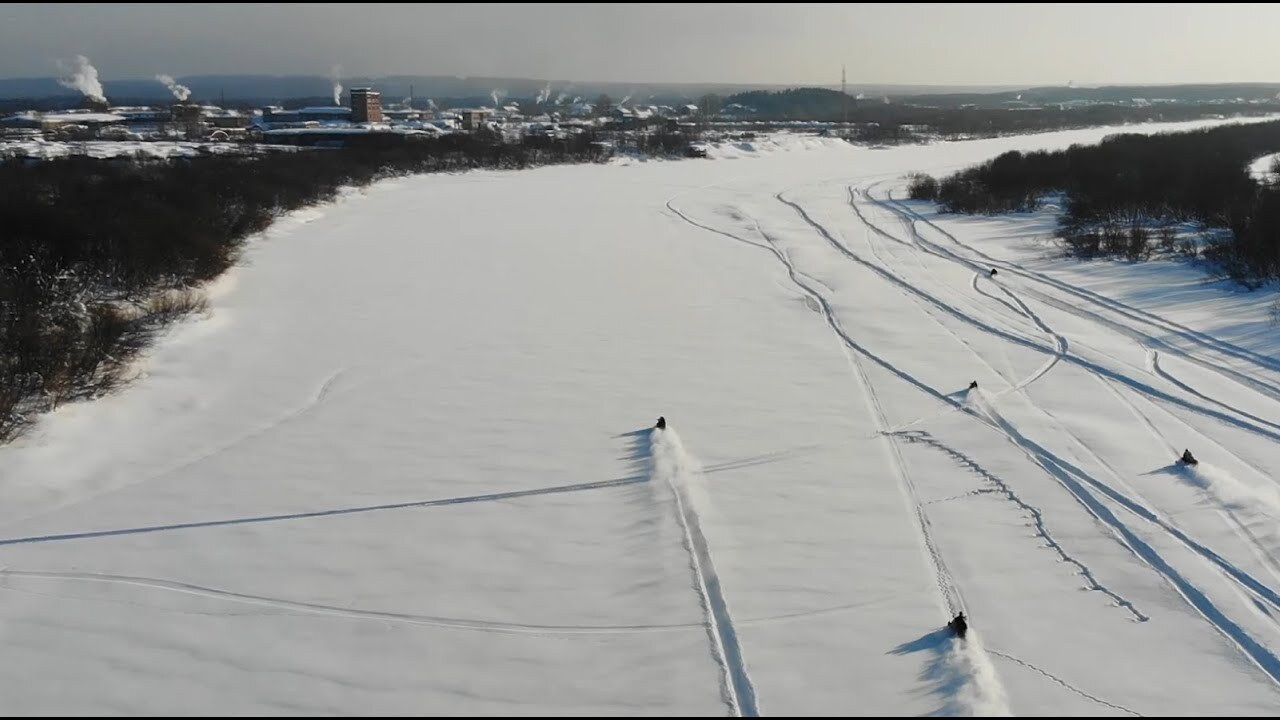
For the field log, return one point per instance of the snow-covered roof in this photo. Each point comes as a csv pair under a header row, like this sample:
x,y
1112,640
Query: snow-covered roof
x,y
40,148
84,117
344,130
323,110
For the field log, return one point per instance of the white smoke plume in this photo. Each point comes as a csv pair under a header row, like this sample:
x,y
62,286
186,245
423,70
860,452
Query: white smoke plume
x,y
182,92
82,76
623,101
497,96
544,95
431,103
335,73
560,96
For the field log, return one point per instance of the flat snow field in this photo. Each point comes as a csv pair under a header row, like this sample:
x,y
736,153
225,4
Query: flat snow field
x,y
406,463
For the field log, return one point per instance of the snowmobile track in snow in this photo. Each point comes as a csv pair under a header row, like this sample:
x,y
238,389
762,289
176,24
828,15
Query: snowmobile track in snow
x,y
671,466
1106,378
1133,314
1154,360
947,587
1064,683
1072,477
452,623
1037,517
1121,308
1074,480
1072,358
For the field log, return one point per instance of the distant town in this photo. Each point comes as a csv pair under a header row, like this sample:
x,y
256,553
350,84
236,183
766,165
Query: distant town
x,y
364,119
363,116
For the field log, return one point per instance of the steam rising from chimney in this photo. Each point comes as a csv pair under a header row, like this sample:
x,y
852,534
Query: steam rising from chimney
x,y
545,95
497,96
182,92
335,73
83,77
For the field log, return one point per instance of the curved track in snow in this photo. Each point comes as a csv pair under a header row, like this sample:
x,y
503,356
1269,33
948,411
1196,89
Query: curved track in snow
x,y
985,692
1137,323
1076,481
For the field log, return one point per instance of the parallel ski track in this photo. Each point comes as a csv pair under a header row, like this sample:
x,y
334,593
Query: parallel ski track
x,y
1161,324
1075,480
948,588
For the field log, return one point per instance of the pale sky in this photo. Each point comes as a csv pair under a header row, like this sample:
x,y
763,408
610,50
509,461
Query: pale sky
x,y
1015,44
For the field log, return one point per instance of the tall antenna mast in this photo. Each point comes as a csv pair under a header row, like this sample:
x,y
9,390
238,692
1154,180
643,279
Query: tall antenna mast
x,y
845,97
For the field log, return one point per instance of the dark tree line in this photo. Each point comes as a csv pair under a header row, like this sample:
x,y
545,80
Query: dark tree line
x,y
96,254
944,116
1126,194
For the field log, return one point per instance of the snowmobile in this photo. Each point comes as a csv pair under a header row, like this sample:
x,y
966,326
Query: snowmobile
x,y
1188,459
993,272
973,385
959,625
661,424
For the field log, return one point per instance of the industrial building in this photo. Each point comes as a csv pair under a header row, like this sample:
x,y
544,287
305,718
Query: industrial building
x,y
65,118
366,105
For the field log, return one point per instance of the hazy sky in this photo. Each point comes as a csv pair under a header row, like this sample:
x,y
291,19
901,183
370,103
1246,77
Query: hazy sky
x,y
1033,43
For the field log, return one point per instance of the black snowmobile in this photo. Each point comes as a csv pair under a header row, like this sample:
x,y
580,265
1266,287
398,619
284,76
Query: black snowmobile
x,y
959,626
661,424
1188,459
